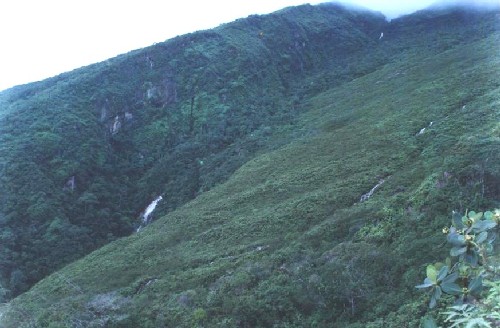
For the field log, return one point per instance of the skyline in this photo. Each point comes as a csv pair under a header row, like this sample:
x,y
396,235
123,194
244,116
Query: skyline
x,y
44,39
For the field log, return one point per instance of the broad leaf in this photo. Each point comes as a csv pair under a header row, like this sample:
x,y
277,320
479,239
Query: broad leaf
x,y
427,283
442,273
471,257
488,215
476,286
483,225
448,262
456,240
456,251
450,278
451,288
481,237
431,273
435,296
475,216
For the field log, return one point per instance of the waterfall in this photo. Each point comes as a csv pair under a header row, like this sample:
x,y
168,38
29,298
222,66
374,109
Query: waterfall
x,y
366,196
148,211
422,130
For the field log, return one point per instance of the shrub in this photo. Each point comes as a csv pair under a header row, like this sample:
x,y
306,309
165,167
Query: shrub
x,y
466,274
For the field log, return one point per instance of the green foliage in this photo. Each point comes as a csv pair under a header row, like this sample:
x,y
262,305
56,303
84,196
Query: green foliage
x,y
472,237
465,315
199,315
174,119
429,322
262,145
483,314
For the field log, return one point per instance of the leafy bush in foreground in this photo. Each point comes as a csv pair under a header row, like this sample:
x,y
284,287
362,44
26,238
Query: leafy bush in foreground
x,y
468,272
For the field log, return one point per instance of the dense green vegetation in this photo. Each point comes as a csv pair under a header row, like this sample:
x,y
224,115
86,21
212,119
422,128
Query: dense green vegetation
x,y
85,152
301,187
467,271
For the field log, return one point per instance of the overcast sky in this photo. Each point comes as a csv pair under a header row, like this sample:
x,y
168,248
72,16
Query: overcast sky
x,y
42,38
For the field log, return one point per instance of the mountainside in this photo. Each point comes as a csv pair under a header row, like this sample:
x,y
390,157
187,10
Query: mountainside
x,y
84,153
307,167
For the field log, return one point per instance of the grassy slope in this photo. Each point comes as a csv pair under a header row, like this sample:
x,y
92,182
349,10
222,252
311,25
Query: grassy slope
x,y
209,97
286,241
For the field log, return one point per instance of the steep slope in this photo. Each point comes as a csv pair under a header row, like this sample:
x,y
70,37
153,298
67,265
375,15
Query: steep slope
x,y
288,240
84,153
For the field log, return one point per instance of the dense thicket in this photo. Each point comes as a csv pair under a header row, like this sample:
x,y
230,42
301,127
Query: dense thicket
x,y
85,152
285,241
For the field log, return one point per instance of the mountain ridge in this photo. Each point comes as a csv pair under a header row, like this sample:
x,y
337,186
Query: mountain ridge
x,y
262,248
93,130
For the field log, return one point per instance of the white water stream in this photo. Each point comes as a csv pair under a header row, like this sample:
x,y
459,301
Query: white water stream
x,y
367,196
148,211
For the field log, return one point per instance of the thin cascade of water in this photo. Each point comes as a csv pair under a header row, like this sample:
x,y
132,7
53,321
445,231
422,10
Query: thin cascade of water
x,y
148,211
366,196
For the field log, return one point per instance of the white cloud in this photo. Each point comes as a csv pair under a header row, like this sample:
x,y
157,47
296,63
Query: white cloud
x,y
43,38
391,8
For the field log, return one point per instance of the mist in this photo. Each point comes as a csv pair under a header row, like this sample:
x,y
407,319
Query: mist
x,y
472,4
34,46
393,9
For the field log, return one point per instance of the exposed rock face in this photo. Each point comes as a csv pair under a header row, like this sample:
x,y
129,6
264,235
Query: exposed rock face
x,y
116,126
161,95
70,184
151,93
